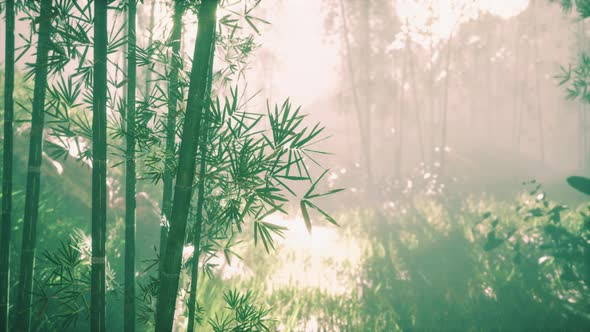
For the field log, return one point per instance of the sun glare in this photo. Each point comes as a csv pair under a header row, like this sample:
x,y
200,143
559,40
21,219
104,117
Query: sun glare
x,y
304,62
442,18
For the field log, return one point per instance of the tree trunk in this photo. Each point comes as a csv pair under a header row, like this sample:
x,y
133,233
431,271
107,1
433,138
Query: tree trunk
x,y
366,80
148,70
538,86
431,104
130,174
7,167
99,170
197,96
27,264
355,94
173,96
515,93
197,233
417,104
399,132
200,203
443,148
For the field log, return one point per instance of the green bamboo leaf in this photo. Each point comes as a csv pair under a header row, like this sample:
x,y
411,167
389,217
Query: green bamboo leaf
x,y
305,214
333,191
312,188
330,219
579,183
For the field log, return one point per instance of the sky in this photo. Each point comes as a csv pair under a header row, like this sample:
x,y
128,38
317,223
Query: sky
x,y
302,50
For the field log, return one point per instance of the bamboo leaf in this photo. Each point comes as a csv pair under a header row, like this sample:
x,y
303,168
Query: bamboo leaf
x,y
305,214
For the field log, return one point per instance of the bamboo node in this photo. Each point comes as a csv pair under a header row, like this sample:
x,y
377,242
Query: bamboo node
x,y
98,260
184,187
169,275
34,169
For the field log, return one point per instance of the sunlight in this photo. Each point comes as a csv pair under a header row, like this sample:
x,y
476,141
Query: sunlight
x,y
299,52
293,52
442,18
324,260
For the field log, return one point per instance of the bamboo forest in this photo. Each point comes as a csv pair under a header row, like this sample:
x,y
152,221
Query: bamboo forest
x,y
295,165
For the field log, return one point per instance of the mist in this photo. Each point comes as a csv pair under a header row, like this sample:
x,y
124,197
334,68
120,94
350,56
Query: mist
x,y
291,165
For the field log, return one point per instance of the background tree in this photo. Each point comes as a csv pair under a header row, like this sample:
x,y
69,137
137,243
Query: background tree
x,y
99,168
170,274
29,241
130,173
7,174
173,99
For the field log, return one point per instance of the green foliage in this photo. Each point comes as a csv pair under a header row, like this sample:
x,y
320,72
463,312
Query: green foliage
x,y
63,288
431,265
580,183
244,315
582,7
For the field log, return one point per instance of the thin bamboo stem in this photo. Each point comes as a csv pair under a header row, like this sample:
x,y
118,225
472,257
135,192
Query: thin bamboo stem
x,y
130,174
7,174
99,171
33,189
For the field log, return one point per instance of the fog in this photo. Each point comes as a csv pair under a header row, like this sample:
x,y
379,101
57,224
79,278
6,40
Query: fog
x,y
486,70
438,195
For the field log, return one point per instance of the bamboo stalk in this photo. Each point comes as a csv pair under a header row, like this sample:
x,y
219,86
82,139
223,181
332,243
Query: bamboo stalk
x,y
170,273
148,70
445,120
33,189
7,174
173,96
417,106
538,86
99,170
399,133
130,174
200,204
356,99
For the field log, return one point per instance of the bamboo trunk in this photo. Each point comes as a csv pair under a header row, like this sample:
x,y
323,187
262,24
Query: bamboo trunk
x,y
355,94
431,104
198,231
515,94
170,274
443,148
5,231
99,170
366,80
417,105
27,264
130,174
173,96
400,117
200,204
148,70
538,87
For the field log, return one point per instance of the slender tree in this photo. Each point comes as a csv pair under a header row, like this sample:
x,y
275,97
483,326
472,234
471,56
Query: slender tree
x,y
366,79
130,200
197,96
399,113
173,97
515,94
445,116
538,107
33,189
99,170
7,167
148,71
417,103
431,96
200,204
361,118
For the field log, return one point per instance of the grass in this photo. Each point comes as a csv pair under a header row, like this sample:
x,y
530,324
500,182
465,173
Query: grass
x,y
474,264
